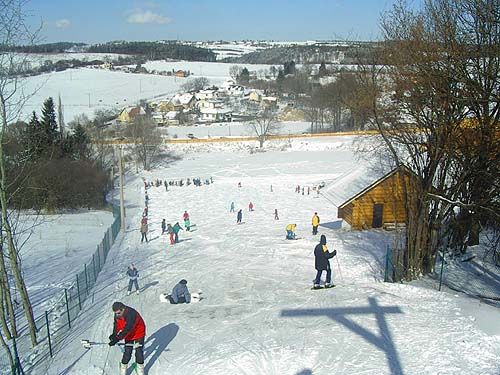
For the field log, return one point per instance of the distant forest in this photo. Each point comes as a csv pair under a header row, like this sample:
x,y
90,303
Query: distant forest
x,y
149,50
155,50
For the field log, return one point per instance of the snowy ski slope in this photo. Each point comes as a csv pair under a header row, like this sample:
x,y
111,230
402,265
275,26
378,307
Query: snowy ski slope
x,y
259,315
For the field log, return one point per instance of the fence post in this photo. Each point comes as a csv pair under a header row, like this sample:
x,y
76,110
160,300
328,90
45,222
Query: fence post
x,y
78,289
48,332
98,260
86,281
441,273
18,370
93,267
386,275
67,306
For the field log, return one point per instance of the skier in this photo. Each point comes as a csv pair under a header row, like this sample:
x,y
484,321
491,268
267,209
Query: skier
x,y
308,190
185,215
250,206
176,228
232,207
180,293
187,224
133,275
302,190
239,184
315,223
276,214
271,188
290,231
163,226
322,263
171,233
239,216
144,231
128,325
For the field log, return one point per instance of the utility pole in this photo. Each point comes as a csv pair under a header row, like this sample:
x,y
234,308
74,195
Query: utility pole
x,y
122,202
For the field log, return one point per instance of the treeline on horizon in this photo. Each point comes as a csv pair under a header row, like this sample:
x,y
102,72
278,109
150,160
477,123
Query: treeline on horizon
x,y
151,50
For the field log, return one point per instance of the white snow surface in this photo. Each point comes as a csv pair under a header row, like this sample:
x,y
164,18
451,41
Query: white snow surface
x,y
258,315
56,248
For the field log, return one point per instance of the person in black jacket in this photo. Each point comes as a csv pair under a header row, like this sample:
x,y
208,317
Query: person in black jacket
x,y
322,263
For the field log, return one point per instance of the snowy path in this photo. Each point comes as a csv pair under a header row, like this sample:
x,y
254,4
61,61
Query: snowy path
x,y
258,315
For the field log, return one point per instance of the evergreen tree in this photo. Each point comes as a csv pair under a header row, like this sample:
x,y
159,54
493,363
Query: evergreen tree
x,y
33,137
80,143
322,70
244,76
49,123
289,67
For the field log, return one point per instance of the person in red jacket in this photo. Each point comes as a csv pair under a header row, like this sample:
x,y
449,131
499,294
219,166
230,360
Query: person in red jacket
x,y
129,326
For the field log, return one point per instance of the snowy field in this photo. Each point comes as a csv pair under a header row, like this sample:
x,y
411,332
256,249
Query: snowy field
x,y
87,90
258,315
231,129
56,250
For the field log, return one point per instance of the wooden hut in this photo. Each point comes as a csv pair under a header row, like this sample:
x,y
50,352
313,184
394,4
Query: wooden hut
x,y
381,203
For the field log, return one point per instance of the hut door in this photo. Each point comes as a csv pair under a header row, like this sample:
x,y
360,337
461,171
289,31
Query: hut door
x,y
378,213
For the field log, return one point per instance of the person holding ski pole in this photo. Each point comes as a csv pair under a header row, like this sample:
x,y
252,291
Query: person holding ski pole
x,y
133,275
129,326
322,263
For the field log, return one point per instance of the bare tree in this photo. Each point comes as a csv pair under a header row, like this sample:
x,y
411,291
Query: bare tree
x,y
436,78
13,32
196,84
264,124
234,71
146,140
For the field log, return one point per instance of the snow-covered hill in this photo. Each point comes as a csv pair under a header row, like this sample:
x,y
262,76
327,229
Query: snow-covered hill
x,y
259,315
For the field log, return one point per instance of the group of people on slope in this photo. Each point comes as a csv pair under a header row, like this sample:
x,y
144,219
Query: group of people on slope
x,y
173,231
129,326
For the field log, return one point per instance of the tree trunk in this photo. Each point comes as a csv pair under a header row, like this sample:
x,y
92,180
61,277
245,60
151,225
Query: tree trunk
x,y
8,235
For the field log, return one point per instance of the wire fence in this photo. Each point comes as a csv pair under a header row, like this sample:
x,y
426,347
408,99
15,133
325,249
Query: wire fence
x,y
476,276
53,325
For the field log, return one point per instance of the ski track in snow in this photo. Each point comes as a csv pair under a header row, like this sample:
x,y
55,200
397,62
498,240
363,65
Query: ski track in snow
x,y
254,282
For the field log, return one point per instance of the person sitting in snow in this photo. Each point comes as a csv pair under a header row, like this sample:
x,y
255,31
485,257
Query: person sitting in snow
x,y
128,325
133,275
180,293
322,263
290,231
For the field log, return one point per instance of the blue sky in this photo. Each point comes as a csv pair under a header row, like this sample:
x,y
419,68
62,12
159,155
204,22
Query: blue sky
x,y
103,20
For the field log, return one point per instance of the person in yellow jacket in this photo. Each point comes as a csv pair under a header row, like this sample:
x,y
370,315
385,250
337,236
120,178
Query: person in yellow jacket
x,y
290,231
315,223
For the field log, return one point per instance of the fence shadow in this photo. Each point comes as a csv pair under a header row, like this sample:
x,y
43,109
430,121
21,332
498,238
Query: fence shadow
x,y
157,343
340,315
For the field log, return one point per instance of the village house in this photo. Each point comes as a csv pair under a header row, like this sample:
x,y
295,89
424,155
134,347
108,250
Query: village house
x,y
187,101
128,114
